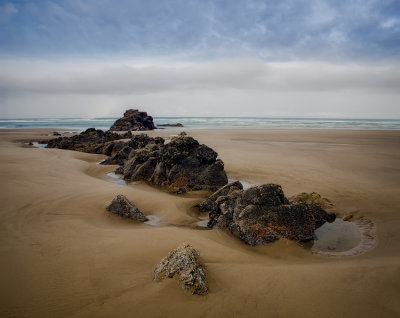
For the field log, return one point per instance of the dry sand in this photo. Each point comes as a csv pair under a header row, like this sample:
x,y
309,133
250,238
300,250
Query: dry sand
x,y
63,255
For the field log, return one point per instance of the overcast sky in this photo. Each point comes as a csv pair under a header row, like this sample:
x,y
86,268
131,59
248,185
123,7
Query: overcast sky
x,y
304,58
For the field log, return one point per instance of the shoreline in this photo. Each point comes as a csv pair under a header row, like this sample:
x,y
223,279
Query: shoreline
x,y
80,261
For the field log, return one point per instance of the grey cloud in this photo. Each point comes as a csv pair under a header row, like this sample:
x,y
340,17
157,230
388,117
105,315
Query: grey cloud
x,y
269,29
18,78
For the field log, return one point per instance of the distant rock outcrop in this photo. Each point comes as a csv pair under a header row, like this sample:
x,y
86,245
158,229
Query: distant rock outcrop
x,y
184,265
183,164
91,140
121,206
170,125
263,214
134,120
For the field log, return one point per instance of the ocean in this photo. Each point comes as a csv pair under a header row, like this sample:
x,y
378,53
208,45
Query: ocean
x,y
211,123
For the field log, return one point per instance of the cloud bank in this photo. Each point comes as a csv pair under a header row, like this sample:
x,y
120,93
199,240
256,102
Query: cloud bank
x,y
305,58
229,87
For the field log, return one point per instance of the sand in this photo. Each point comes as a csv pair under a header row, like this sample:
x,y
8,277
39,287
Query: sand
x,y
63,255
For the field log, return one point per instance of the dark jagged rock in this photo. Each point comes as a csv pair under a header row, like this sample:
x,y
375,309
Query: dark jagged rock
x,y
119,157
133,120
183,164
121,206
91,140
183,264
263,214
170,125
123,151
210,203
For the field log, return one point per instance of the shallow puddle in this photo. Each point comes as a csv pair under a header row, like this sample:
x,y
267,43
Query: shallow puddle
x,y
37,145
342,238
202,223
116,178
246,185
153,220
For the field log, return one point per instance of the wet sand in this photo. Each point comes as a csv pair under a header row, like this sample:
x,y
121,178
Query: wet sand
x,y
63,255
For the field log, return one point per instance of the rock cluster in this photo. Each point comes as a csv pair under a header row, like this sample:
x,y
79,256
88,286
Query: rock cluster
x,y
183,264
91,140
263,214
121,206
183,164
134,120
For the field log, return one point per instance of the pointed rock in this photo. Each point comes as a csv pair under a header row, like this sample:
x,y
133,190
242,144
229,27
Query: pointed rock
x,y
121,206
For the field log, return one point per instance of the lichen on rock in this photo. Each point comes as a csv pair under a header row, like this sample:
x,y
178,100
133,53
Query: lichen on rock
x,y
312,198
184,265
262,214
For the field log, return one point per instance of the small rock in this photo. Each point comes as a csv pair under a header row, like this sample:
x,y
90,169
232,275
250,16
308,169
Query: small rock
x,y
55,133
120,205
347,217
183,264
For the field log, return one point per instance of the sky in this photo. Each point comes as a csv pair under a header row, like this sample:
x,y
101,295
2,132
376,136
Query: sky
x,y
304,58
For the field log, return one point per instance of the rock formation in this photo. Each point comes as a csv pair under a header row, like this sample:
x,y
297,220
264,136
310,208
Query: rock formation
x,y
133,120
263,214
121,206
170,125
183,164
210,203
91,140
184,265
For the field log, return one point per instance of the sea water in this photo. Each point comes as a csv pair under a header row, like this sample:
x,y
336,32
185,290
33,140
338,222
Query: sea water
x,y
80,124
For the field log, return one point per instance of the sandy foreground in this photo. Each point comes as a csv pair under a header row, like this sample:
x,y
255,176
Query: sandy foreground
x,y
63,255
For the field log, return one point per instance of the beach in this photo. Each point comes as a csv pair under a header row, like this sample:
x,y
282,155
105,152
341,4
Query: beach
x,y
63,255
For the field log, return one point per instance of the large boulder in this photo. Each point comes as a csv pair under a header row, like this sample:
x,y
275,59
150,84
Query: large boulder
x,y
121,206
183,164
134,120
183,264
91,140
263,214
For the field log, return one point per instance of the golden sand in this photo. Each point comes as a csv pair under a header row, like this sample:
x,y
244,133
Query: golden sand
x,y
63,255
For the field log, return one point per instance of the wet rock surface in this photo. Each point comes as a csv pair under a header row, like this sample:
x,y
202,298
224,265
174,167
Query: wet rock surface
x,y
182,165
134,120
184,265
210,203
263,214
91,141
121,206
